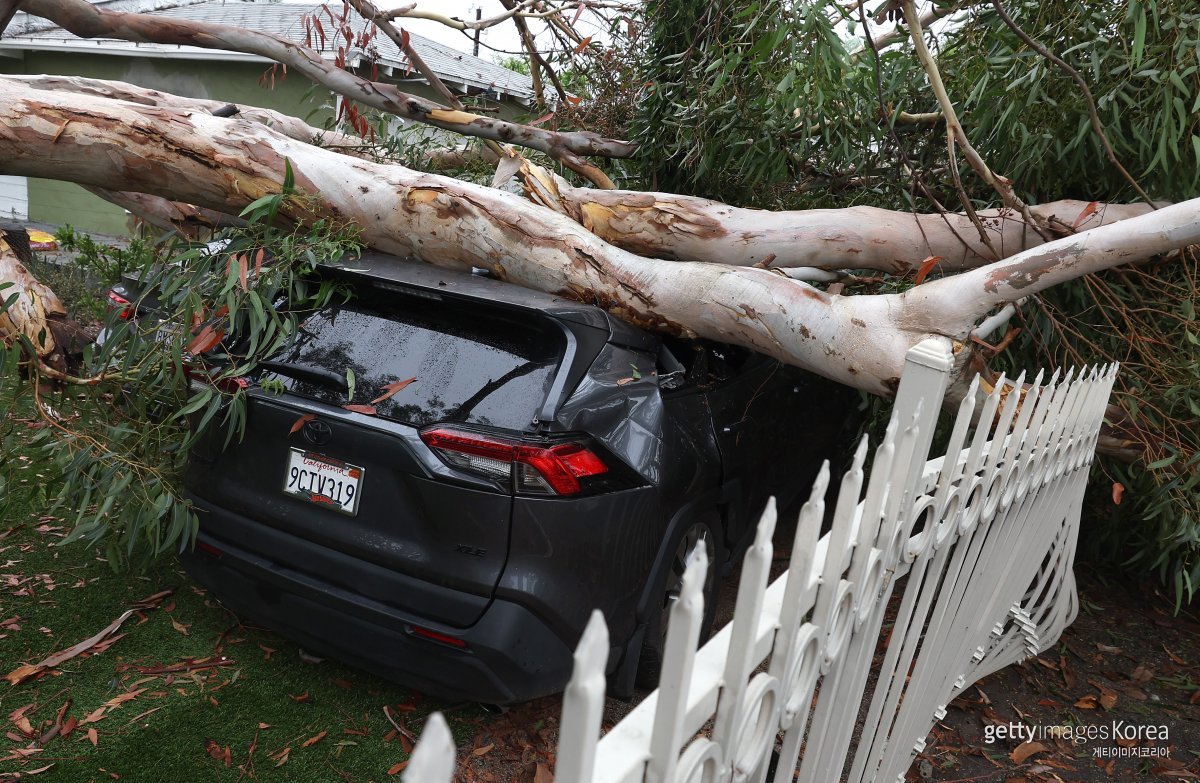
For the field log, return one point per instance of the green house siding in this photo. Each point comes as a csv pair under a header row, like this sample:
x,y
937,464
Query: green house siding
x,y
57,202
65,203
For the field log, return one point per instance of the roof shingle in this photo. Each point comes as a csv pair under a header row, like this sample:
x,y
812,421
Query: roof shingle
x,y
286,20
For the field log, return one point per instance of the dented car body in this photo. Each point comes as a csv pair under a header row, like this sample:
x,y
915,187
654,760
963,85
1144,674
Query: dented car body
x,y
528,459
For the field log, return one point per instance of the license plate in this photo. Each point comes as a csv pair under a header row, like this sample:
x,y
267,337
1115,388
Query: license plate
x,y
323,481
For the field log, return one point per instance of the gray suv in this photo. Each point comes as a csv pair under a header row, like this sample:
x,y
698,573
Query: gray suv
x,y
547,460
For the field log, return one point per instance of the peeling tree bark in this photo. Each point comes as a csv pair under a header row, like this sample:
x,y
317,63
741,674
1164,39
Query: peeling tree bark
x,y
666,225
292,127
223,164
36,312
670,226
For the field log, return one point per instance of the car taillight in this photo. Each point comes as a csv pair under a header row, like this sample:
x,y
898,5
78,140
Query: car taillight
x,y
436,636
115,300
551,469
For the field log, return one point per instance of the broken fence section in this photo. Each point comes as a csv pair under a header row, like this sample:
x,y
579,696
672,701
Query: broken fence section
x,y
968,557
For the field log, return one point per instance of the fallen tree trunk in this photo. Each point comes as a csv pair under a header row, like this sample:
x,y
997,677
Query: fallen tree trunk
x,y
224,164
670,226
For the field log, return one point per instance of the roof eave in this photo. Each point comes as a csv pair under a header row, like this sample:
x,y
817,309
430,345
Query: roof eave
x,y
130,49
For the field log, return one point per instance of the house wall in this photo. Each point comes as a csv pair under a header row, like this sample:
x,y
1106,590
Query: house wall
x,y
51,201
14,198
57,202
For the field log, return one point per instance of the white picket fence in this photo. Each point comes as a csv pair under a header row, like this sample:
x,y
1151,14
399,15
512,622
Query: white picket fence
x,y
967,558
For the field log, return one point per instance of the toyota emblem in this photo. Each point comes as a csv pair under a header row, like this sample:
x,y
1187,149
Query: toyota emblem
x,y
317,432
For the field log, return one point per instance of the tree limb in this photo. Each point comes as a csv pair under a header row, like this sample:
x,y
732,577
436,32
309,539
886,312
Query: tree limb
x,y
286,124
83,19
1093,113
224,164
1001,185
687,228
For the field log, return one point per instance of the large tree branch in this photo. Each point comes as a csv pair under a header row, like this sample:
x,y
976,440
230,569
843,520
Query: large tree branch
x,y
686,228
968,296
86,21
288,125
223,164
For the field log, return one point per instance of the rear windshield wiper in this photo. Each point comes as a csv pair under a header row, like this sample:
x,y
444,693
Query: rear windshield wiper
x,y
306,372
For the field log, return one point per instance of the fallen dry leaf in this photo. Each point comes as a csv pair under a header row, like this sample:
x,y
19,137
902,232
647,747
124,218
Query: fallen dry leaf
x,y
1088,702
303,697
205,341
1067,673
27,772
214,749
315,739
18,719
1108,697
300,422
23,673
926,267
395,769
93,736
145,714
1174,657
391,389
367,410
543,774
93,716
484,750
178,626
152,601
1085,213
120,699
1025,750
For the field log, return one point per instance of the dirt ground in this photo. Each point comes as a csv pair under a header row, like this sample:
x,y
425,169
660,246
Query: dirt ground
x,y
1126,666
1126,662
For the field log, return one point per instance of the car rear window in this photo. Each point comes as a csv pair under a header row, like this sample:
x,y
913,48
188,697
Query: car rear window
x,y
472,363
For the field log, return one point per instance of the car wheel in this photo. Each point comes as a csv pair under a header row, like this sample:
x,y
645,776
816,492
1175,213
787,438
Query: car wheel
x,y
703,532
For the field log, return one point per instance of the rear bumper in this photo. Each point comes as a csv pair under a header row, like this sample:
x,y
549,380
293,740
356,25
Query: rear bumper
x,y
509,654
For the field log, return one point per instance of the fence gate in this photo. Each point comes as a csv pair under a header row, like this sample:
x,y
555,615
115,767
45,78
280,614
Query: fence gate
x,y
972,552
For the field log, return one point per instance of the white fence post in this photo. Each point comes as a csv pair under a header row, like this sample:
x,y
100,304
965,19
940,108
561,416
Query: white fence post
x,y
977,543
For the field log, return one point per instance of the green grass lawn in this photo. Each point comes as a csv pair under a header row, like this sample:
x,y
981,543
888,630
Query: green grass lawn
x,y
250,708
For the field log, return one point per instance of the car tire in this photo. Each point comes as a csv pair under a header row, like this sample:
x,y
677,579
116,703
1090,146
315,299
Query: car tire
x,y
706,529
